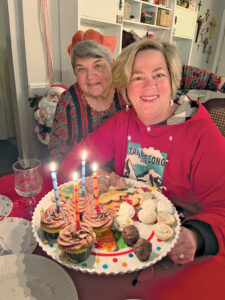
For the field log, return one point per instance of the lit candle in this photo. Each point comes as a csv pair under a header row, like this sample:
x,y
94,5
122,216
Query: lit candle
x,y
95,188
55,187
83,174
76,201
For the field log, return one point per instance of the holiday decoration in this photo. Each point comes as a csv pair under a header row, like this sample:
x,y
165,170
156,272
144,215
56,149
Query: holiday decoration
x,y
45,111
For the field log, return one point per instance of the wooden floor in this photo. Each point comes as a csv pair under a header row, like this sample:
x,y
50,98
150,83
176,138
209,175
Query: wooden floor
x,y
8,155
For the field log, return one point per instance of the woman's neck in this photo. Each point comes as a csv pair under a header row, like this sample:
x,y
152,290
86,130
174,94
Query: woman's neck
x,y
102,102
165,117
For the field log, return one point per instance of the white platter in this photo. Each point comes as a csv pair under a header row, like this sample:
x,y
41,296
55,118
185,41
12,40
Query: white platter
x,y
5,206
101,261
33,277
16,236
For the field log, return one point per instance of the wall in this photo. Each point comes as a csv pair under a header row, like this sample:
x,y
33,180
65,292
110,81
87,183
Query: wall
x,y
216,10
7,126
27,60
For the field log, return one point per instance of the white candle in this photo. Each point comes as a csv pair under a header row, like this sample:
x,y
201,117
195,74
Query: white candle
x,y
55,187
83,174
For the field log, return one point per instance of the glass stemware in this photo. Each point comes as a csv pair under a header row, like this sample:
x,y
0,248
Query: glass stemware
x,y
28,180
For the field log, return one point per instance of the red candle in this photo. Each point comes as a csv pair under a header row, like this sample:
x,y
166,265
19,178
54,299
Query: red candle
x,y
76,201
94,175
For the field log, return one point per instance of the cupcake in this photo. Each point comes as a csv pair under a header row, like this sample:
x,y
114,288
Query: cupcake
x,y
84,203
76,244
99,221
52,222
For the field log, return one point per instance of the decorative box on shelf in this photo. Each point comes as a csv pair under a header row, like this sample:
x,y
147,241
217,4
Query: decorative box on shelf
x,y
148,16
164,18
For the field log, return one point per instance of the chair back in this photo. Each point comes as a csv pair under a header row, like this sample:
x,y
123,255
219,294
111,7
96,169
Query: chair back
x,y
216,108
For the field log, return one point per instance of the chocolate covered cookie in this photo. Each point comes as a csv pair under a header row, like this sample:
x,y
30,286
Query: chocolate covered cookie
x,y
142,249
130,235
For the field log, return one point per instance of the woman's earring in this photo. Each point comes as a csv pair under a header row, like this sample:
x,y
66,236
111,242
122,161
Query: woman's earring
x,y
171,103
127,107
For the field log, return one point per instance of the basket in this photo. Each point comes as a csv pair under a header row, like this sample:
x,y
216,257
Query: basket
x,y
164,18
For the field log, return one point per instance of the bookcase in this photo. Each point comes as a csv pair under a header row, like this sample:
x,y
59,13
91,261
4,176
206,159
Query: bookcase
x,y
166,21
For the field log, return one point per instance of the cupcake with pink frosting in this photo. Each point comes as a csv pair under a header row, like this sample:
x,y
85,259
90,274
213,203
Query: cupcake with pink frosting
x,y
76,244
100,221
53,222
84,203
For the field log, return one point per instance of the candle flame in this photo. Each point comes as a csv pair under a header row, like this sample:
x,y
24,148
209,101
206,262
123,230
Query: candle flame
x,y
74,176
53,167
84,155
94,167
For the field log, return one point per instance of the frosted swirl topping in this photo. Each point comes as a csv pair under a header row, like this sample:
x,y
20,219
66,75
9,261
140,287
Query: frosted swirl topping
x,y
51,219
98,220
84,203
71,239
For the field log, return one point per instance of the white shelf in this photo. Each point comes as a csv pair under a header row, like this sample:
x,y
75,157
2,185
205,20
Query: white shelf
x,y
97,22
143,25
101,15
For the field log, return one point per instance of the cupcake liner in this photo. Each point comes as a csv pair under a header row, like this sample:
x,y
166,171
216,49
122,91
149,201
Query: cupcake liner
x,y
51,235
78,256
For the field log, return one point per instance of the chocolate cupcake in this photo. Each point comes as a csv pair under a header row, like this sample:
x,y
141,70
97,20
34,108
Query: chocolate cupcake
x,y
76,244
53,222
100,221
130,235
142,249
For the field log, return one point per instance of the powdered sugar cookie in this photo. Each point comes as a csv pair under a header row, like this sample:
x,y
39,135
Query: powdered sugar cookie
x,y
162,231
164,206
147,216
166,218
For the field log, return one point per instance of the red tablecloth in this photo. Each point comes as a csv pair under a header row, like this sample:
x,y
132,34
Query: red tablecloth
x,y
203,279
89,287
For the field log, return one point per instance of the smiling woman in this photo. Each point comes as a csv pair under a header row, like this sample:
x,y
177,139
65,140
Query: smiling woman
x,y
93,99
159,127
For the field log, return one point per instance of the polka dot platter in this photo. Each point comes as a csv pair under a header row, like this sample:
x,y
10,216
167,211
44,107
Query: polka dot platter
x,y
101,261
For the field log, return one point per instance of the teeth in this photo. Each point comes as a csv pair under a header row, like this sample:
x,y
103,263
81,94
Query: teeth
x,y
149,98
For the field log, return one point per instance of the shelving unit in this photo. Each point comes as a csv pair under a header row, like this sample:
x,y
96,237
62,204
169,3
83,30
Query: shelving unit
x,y
102,15
183,31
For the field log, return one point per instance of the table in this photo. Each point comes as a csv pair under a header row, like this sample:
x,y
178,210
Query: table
x,y
89,287
162,282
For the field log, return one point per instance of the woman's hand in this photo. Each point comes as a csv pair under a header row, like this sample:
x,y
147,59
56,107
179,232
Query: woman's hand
x,y
184,250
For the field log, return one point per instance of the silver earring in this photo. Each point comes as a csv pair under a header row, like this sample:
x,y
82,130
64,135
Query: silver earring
x,y
127,107
171,103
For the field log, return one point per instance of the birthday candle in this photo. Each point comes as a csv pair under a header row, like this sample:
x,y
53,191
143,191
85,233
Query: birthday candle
x,y
55,187
76,201
83,174
95,182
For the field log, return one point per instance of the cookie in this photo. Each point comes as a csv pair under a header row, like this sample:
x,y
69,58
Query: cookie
x,y
130,235
162,231
147,216
164,206
165,218
142,249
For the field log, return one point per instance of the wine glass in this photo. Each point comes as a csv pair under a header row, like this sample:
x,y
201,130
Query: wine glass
x,y
28,180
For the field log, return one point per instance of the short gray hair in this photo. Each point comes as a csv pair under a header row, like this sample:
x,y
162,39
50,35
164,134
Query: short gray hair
x,y
89,48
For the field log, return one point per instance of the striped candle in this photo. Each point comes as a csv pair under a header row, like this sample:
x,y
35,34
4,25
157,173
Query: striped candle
x,y
76,201
55,186
95,182
83,174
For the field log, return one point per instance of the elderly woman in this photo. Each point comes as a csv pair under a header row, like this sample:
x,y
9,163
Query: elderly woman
x,y
93,98
175,139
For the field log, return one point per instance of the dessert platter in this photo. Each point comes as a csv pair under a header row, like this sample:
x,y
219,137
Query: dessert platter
x,y
159,238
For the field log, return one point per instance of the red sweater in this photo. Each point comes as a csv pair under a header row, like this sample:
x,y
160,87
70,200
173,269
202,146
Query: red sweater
x,y
194,160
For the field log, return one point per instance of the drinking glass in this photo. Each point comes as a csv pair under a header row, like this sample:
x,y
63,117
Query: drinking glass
x,y
28,180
